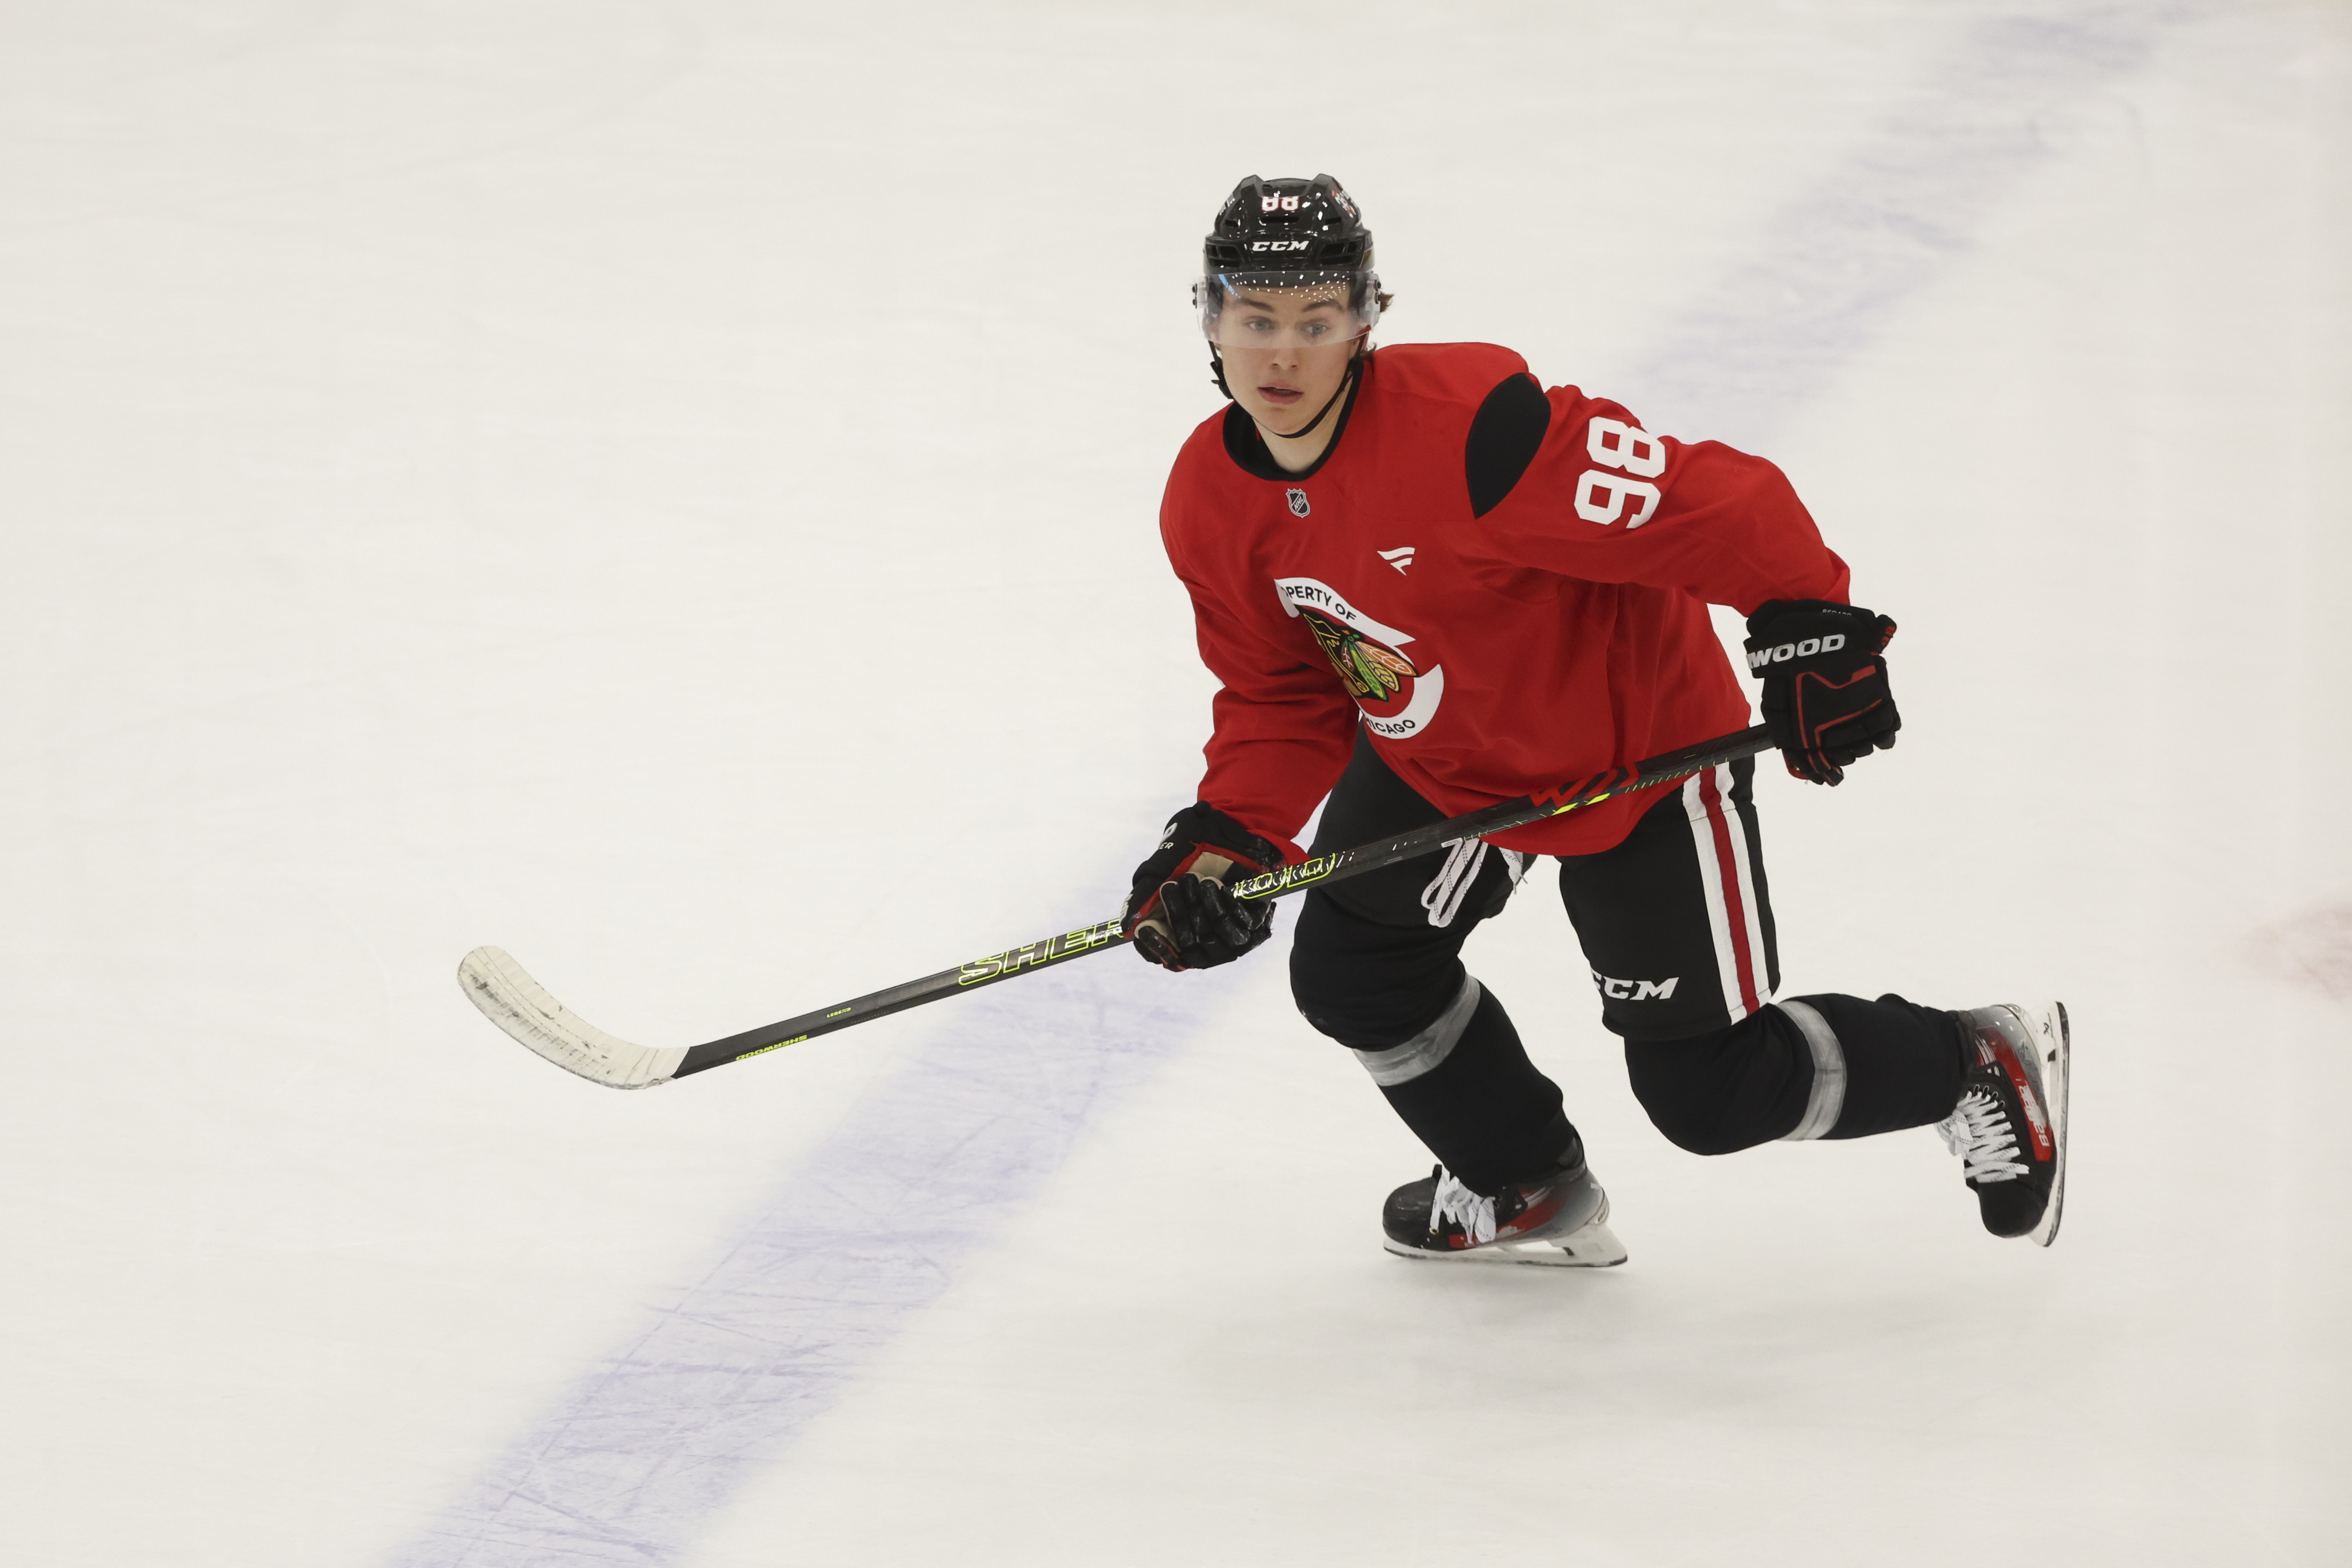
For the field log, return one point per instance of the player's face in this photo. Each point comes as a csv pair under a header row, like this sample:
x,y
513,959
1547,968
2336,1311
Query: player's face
x,y
1286,350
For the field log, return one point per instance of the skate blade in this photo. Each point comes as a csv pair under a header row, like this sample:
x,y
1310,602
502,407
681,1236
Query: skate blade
x,y
1592,1246
2054,1049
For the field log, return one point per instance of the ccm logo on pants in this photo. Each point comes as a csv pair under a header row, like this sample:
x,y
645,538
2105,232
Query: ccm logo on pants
x,y
1636,990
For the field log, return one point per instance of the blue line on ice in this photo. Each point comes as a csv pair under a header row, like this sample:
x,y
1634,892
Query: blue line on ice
x,y
657,1436
1834,263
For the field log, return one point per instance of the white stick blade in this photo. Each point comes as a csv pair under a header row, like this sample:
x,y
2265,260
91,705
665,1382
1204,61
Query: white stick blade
x,y
520,1005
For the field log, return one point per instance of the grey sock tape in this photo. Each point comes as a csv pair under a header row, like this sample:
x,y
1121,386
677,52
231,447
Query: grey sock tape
x,y
1828,1095
1403,1063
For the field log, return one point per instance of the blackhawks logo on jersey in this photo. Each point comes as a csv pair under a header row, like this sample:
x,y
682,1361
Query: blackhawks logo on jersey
x,y
1372,673
1399,695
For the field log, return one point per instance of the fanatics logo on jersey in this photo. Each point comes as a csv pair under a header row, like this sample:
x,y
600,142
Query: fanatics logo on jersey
x,y
1298,508
1400,557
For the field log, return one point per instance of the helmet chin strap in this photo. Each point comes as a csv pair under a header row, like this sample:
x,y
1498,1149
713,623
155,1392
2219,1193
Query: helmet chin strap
x,y
1217,373
1355,368
1354,364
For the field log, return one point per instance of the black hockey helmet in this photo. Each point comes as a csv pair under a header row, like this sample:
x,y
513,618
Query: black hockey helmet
x,y
1288,234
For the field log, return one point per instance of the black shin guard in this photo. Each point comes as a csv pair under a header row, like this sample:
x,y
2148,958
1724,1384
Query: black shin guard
x,y
1813,1067
1480,1107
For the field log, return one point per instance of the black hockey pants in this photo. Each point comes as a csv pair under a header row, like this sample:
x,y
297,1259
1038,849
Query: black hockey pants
x,y
1677,934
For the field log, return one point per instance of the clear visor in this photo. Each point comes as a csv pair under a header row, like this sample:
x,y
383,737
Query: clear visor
x,y
1286,311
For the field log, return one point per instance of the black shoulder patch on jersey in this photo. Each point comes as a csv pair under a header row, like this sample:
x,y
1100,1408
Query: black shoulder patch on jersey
x,y
1503,440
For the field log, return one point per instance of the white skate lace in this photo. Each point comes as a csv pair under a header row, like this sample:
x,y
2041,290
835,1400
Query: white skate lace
x,y
1444,895
1979,1131
1474,1212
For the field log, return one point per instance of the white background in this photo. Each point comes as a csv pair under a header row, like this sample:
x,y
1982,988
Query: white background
x,y
670,489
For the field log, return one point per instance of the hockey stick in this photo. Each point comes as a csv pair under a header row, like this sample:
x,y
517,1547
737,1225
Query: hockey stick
x,y
520,1005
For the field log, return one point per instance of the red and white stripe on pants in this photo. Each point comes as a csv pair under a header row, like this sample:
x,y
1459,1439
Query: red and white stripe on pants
x,y
1725,859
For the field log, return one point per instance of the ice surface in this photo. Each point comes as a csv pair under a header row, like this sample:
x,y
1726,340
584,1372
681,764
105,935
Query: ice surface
x,y
670,491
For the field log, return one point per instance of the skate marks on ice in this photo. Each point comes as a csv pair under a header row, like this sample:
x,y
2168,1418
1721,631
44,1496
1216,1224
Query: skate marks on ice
x,y
2312,948
1833,264
657,1437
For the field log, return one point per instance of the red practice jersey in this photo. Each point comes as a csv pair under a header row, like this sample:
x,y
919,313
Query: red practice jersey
x,y
1506,588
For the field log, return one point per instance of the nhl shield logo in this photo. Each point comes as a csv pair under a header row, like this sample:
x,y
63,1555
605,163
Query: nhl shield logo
x,y
1298,503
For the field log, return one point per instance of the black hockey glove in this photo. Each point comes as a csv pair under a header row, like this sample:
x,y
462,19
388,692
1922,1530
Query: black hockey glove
x,y
1178,912
1826,692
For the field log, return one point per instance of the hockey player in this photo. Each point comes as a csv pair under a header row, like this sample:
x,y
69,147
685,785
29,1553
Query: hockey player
x,y
1427,584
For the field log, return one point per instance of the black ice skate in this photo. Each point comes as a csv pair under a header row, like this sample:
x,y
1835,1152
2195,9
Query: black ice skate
x,y
2010,1126
1563,1221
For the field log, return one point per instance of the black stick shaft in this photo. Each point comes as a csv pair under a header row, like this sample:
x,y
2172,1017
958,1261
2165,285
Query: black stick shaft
x,y
1337,866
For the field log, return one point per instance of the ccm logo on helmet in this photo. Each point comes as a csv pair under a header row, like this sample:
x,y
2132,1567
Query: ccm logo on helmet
x,y
1280,244
1637,990
1277,203
1804,650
